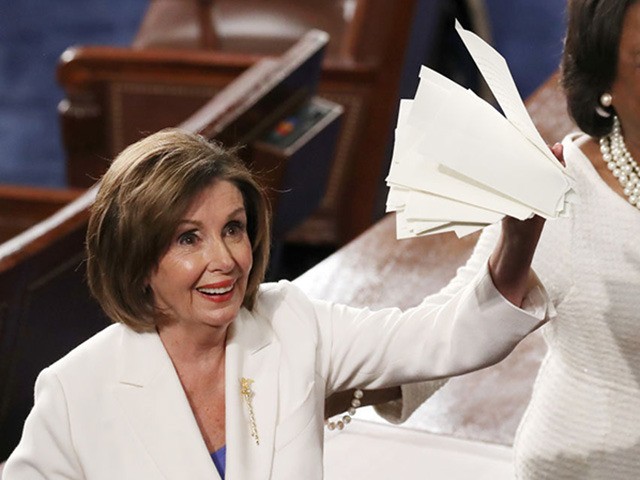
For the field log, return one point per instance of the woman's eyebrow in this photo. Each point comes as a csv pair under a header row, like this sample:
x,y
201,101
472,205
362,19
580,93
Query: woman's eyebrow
x,y
187,221
237,211
198,223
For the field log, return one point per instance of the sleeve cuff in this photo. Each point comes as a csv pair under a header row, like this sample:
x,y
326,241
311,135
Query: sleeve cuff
x,y
536,306
413,395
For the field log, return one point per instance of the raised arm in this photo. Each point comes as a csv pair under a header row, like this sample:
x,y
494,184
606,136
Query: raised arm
x,y
510,268
510,262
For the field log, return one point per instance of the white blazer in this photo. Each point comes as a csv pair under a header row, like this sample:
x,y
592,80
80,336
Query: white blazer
x,y
114,408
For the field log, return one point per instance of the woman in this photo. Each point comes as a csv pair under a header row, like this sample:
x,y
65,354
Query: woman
x,y
583,420
203,363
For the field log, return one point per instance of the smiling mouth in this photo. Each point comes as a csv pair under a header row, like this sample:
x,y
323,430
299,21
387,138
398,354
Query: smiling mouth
x,y
211,291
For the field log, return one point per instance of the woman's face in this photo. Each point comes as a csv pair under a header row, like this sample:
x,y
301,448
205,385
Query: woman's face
x,y
202,277
626,87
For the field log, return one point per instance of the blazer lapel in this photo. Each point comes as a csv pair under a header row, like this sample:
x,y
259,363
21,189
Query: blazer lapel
x,y
252,354
152,398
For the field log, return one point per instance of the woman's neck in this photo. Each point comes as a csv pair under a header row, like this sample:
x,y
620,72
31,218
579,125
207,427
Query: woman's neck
x,y
198,355
591,148
198,347
632,142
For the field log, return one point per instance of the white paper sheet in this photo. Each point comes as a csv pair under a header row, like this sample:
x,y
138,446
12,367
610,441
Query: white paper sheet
x,y
496,73
426,206
415,167
458,164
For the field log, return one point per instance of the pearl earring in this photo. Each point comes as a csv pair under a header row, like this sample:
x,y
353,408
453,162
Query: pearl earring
x,y
605,102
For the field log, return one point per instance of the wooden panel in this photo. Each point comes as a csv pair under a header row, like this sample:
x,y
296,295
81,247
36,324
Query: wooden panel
x,y
115,96
362,74
22,207
45,308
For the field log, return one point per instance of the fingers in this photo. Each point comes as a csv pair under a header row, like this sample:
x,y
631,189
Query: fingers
x,y
557,150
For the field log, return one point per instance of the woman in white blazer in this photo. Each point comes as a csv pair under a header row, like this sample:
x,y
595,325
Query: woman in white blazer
x,y
204,365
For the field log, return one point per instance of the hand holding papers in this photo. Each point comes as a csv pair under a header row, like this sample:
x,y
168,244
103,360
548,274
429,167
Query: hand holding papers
x,y
459,165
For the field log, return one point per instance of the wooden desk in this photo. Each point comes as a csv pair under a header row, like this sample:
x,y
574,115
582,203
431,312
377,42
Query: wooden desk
x,y
376,270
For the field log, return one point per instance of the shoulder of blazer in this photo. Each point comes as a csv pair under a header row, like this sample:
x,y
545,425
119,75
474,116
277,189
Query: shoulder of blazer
x,y
93,354
284,301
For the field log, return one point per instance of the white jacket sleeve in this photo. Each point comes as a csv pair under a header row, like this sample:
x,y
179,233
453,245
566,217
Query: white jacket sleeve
x,y
477,355
46,448
457,331
415,394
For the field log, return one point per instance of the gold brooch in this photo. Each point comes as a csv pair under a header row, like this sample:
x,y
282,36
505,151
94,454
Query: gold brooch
x,y
247,395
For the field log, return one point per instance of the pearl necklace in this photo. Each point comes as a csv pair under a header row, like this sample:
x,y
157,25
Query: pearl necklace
x,y
621,163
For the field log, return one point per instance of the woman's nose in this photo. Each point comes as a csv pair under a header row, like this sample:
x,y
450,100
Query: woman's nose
x,y
219,257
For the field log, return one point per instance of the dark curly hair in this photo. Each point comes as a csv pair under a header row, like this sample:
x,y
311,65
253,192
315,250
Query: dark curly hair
x,y
590,59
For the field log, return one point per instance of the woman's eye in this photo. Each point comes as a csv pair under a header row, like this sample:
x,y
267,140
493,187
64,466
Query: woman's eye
x,y
188,238
235,228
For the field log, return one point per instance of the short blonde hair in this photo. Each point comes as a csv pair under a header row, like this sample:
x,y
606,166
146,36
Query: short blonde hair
x,y
140,201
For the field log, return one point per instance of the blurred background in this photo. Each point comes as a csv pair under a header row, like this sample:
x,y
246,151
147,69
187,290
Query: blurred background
x,y
33,35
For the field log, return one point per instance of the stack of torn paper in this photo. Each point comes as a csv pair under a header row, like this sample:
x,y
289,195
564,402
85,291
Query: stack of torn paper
x,y
459,165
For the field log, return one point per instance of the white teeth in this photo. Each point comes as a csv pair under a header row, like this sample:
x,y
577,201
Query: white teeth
x,y
215,291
